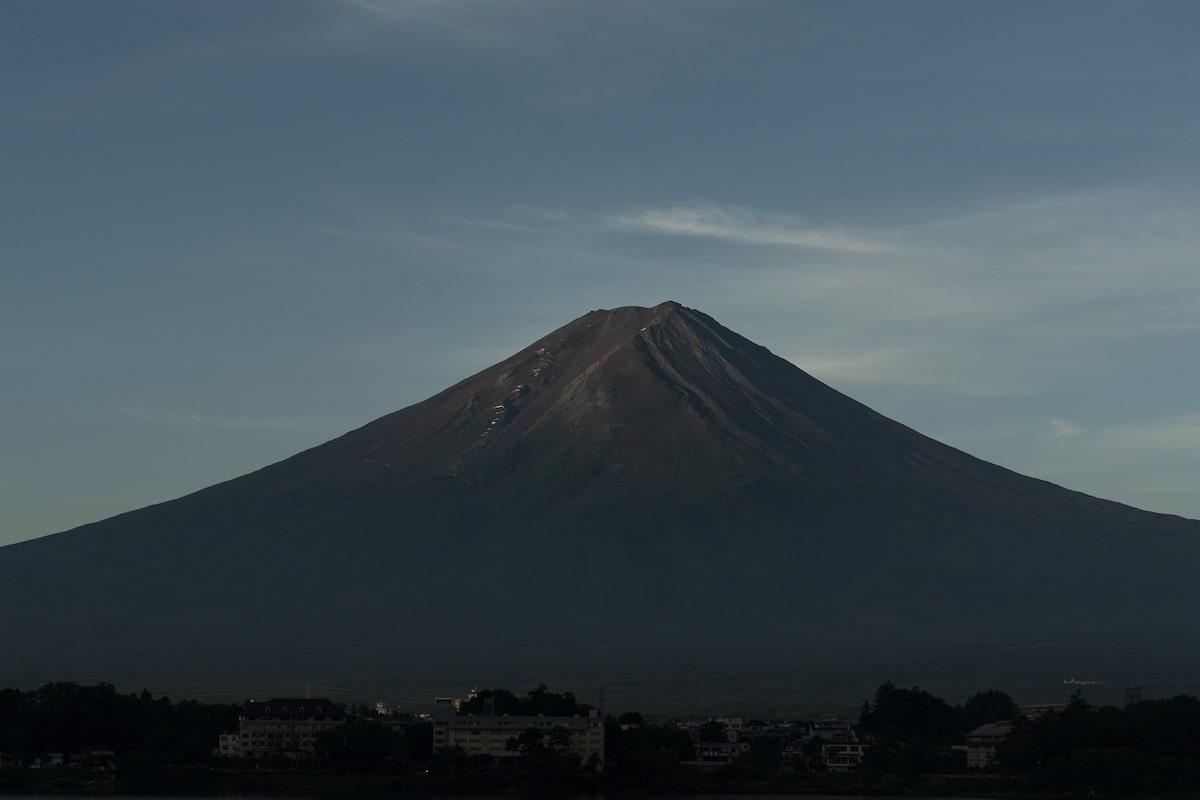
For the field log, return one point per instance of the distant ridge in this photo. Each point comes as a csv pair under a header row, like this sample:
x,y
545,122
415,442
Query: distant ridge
x,y
640,481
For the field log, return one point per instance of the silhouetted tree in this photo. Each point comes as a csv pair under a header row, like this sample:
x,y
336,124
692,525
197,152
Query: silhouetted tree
x,y
712,731
359,741
1146,748
990,706
64,717
911,732
1078,704
652,753
539,700
545,752
904,715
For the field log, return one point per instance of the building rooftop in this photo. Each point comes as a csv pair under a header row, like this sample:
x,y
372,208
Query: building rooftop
x,y
990,730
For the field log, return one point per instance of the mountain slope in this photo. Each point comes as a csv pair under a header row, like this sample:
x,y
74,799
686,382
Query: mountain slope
x,y
637,474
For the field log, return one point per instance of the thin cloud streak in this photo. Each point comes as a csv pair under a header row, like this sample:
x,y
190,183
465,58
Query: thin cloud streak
x,y
480,22
933,366
488,224
143,414
1107,264
743,226
392,239
1137,462
94,112
1180,434
1060,427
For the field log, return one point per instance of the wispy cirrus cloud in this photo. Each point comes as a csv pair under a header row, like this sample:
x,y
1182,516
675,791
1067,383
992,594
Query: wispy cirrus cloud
x,y
924,366
477,21
1060,427
390,237
78,113
1149,462
488,224
1064,269
144,414
1180,434
745,226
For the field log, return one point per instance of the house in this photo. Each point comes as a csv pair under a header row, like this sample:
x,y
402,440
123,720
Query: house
x,y
489,734
982,742
283,727
843,756
1041,710
714,755
96,756
833,730
7,761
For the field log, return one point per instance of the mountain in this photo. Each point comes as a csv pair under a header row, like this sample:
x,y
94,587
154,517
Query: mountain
x,y
640,493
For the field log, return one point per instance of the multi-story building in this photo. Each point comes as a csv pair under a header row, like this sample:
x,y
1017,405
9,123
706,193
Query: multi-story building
x,y
714,755
285,727
478,734
843,756
229,745
982,743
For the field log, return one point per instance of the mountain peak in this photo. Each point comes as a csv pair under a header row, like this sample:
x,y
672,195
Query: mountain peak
x,y
623,319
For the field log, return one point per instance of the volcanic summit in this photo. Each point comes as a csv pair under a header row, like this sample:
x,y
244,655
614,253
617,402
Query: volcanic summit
x,y
639,479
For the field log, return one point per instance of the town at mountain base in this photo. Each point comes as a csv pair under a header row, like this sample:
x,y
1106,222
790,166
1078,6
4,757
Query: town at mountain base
x,y
642,499
65,737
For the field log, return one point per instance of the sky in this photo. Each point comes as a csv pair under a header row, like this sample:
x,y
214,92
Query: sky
x,y
231,231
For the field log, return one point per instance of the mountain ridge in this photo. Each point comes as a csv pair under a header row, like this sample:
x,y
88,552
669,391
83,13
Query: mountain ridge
x,y
718,485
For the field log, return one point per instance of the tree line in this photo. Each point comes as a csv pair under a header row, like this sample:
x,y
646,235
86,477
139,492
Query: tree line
x,y
67,718
1147,748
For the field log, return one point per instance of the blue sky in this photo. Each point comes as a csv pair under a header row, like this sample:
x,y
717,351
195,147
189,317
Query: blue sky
x,y
230,231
